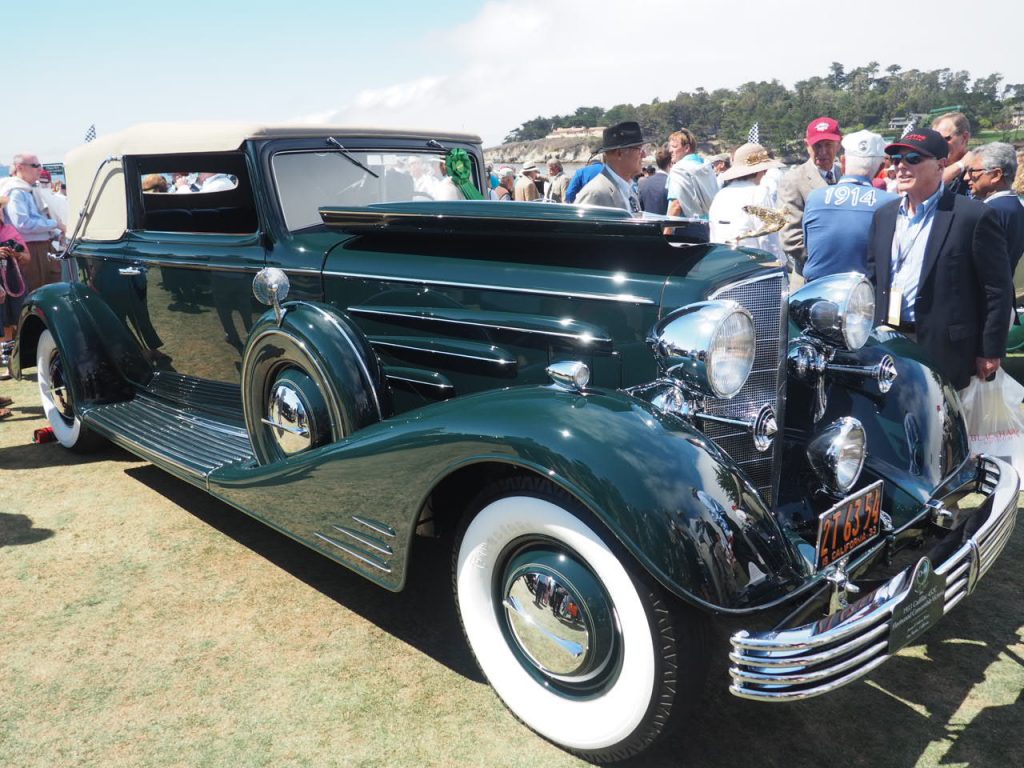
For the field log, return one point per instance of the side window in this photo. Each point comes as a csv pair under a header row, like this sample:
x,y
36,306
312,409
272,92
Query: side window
x,y
307,181
195,193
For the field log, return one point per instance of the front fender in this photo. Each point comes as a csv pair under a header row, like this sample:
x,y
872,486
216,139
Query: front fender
x,y
97,349
676,503
917,438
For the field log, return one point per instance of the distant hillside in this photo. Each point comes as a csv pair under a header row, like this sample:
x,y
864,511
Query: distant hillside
x,y
568,150
861,97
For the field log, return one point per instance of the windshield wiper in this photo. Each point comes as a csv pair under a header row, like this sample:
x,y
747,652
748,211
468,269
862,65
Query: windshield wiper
x,y
348,156
435,144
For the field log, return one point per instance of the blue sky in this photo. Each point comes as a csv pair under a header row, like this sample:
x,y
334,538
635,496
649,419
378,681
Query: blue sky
x,y
484,67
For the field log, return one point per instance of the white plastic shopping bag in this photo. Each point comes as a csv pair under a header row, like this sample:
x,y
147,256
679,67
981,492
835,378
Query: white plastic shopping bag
x,y
995,421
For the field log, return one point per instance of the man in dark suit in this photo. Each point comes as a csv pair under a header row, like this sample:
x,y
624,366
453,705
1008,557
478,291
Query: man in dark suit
x,y
939,264
654,188
990,170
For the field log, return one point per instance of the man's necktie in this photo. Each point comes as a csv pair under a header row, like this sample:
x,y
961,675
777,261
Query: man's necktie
x,y
830,178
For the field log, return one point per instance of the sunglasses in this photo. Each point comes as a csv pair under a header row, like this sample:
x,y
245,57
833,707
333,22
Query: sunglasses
x,y
910,158
974,173
32,165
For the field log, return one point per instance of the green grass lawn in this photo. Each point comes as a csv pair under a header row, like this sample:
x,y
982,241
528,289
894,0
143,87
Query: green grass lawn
x,y
146,624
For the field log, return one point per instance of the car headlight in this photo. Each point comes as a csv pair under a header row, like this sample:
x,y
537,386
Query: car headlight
x,y
707,346
839,309
837,454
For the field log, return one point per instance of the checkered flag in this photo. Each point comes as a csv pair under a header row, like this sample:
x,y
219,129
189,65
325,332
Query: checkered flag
x,y
91,133
754,134
908,129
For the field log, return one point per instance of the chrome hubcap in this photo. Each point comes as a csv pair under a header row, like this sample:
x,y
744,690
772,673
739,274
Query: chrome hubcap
x,y
288,416
558,617
58,389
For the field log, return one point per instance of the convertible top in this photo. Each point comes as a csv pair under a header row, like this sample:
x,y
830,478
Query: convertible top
x,y
107,218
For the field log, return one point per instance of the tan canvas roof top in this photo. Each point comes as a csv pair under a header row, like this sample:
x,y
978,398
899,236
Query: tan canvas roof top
x,y
107,219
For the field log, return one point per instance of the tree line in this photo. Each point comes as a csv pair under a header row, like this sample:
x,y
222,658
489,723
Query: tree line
x,y
863,97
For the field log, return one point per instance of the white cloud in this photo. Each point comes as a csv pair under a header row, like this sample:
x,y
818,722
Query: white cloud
x,y
401,96
518,59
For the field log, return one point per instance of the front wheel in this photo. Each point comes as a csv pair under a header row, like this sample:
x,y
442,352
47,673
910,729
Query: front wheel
x,y
573,636
58,405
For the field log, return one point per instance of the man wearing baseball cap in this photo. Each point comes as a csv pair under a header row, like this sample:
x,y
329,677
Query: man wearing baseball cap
x,y
939,265
837,218
822,138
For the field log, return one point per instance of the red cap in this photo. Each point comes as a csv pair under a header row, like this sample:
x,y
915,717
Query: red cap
x,y
823,128
44,174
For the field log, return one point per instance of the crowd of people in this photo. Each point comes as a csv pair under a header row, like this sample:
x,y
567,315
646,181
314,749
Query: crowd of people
x,y
936,226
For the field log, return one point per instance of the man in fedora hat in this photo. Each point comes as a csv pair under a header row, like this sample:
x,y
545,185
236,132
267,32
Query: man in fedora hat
x,y
622,145
526,184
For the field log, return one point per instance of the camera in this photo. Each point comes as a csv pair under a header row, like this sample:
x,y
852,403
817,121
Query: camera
x,y
13,244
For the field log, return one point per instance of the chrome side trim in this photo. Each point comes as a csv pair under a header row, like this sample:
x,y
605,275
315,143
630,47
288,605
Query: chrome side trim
x,y
420,382
810,660
375,544
380,342
581,338
197,265
376,525
621,297
363,557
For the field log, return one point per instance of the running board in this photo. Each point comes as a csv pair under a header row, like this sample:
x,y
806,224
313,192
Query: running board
x,y
185,444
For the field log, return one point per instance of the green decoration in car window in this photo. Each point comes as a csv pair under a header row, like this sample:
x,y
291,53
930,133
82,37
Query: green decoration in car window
x,y
460,169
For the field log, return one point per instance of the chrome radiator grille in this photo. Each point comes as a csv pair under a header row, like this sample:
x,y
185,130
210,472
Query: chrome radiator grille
x,y
766,299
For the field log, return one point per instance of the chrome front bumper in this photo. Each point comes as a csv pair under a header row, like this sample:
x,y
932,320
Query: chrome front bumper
x,y
817,658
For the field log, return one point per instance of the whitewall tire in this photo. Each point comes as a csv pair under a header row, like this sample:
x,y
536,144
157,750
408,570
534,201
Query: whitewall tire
x,y
603,689
55,394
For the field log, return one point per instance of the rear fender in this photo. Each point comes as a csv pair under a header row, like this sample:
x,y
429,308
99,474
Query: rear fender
x,y
97,349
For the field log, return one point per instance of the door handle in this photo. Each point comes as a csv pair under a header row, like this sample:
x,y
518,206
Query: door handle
x,y
129,271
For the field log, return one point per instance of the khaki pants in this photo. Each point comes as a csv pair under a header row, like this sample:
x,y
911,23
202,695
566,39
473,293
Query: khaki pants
x,y
41,269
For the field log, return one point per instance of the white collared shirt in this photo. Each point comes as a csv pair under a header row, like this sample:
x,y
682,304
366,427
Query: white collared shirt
x,y
628,193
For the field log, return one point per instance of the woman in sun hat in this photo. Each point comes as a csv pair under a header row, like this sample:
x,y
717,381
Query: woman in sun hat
x,y
728,221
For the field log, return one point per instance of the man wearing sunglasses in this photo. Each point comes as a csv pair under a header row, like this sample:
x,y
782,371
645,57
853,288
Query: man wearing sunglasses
x,y
25,212
939,263
991,169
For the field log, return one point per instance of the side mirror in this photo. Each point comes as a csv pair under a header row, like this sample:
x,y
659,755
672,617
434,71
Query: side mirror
x,y
270,287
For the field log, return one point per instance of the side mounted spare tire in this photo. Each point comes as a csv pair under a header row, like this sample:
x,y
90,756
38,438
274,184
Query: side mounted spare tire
x,y
309,381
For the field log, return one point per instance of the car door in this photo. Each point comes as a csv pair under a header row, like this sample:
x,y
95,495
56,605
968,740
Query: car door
x,y
182,284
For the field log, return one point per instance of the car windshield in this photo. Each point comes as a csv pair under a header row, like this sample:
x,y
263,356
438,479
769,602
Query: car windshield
x,y
307,181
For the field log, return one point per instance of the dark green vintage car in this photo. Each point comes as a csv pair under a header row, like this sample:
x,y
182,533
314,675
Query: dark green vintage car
x,y
625,435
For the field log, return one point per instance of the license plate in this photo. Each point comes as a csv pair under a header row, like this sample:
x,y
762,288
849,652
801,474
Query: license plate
x,y
850,523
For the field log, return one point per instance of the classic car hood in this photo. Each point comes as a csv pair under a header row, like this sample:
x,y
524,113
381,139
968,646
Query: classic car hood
x,y
510,218
557,250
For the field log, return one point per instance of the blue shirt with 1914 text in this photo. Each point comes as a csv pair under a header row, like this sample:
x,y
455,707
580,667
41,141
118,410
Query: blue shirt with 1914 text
x,y
836,223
